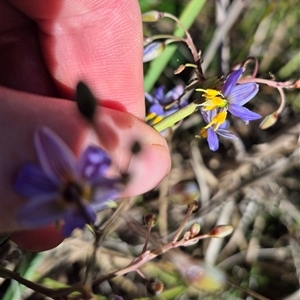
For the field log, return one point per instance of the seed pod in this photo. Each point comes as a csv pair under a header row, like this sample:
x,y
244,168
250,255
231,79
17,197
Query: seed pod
x,y
269,121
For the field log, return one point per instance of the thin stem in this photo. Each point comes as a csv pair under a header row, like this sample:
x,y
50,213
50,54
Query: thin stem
x,y
150,39
147,256
188,40
175,117
181,227
147,239
278,85
248,60
53,293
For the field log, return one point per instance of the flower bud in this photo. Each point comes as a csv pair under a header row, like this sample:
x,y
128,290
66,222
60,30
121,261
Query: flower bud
x,y
195,229
220,231
179,69
153,50
184,192
150,219
269,120
152,16
154,286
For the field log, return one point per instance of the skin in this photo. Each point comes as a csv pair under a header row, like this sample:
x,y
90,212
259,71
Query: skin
x,y
46,48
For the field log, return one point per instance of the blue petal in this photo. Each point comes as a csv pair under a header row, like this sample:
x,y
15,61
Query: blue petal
x,y
212,139
105,189
231,81
159,94
40,211
75,219
153,50
243,113
150,98
174,94
224,125
55,156
208,115
93,163
157,109
32,181
226,134
242,93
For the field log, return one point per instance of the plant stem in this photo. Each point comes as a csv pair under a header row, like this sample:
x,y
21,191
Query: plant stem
x,y
176,117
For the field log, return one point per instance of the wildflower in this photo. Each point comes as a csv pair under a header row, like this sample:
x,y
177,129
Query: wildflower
x,y
211,132
61,188
162,105
231,98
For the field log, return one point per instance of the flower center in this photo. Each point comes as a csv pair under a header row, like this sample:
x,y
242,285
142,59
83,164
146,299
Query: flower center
x,y
214,99
72,192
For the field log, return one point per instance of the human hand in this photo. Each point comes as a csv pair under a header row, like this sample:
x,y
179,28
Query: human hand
x,y
47,47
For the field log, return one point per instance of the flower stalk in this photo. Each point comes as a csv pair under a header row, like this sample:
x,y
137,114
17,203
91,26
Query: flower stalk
x,y
176,117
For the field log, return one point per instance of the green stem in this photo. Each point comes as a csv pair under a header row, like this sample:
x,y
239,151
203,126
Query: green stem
x,y
176,117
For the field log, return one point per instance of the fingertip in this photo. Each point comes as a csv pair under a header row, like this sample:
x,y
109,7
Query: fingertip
x,y
117,132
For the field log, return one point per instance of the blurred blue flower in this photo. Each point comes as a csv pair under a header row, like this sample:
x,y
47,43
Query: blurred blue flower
x,y
163,105
61,188
212,134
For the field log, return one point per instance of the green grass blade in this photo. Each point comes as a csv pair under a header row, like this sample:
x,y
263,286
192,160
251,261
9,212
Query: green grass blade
x,y
157,66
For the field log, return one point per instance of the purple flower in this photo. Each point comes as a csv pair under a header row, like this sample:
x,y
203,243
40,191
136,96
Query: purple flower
x,y
212,134
163,105
61,188
239,94
231,98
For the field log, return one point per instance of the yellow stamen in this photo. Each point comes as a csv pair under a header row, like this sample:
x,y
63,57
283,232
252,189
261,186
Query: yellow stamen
x,y
150,116
157,119
214,103
210,93
203,133
212,99
218,120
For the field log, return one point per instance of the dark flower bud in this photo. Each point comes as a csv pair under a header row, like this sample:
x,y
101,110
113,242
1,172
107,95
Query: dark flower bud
x,y
150,219
154,286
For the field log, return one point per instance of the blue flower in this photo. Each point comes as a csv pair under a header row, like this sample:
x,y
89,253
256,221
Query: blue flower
x,y
239,94
231,98
211,133
163,105
61,188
